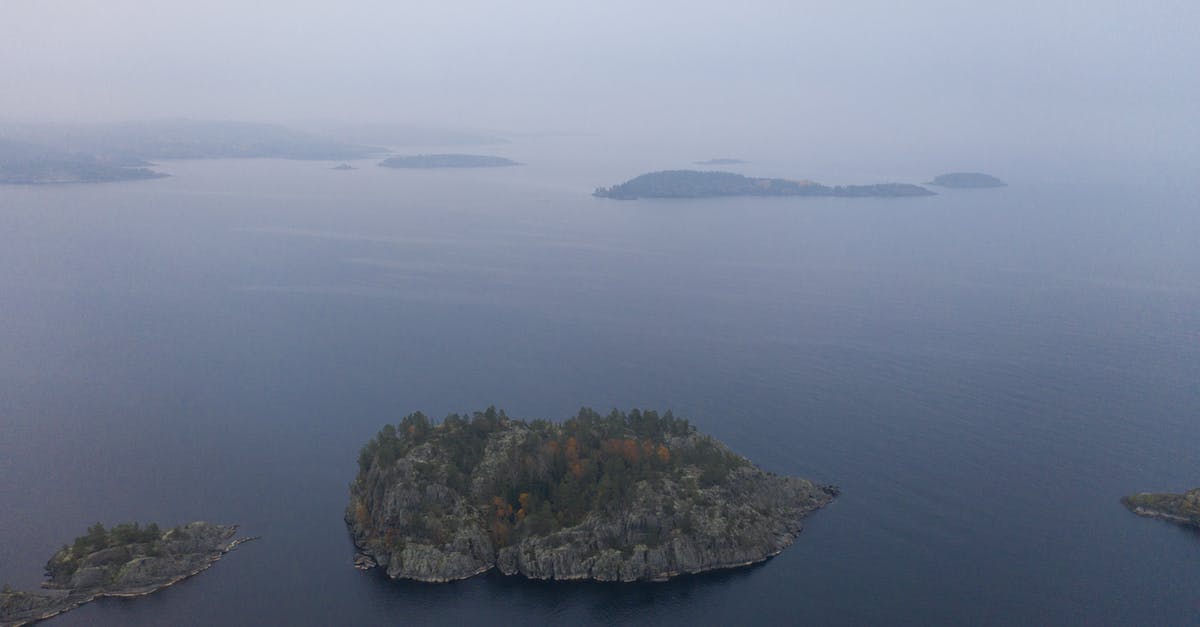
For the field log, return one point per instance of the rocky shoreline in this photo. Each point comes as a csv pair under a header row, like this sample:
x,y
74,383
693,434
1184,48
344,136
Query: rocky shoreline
x,y
1181,509
415,519
180,559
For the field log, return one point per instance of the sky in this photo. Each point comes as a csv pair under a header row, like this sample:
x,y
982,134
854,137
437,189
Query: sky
x,y
1051,76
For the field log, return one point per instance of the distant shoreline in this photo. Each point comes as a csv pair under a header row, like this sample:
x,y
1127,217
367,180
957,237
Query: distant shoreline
x,y
713,184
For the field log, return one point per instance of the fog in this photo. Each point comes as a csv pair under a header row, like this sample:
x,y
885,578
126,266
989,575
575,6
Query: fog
x,y
971,83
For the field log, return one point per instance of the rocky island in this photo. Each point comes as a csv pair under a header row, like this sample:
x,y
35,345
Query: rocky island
x,y
967,180
125,561
447,161
1182,509
706,184
623,497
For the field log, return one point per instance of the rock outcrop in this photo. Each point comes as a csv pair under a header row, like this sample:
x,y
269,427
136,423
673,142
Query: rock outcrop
x,y
618,498
1182,509
148,562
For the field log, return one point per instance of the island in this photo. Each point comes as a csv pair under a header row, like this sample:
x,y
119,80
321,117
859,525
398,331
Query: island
x,y
447,161
967,180
721,161
394,134
22,163
178,138
128,560
623,497
1182,509
343,166
707,184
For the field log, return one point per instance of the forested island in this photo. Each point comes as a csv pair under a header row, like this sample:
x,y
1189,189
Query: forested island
x,y
128,560
447,161
967,180
706,184
1181,509
622,497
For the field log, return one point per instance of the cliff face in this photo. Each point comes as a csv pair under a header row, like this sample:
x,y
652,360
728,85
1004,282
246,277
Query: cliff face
x,y
703,509
1183,509
665,531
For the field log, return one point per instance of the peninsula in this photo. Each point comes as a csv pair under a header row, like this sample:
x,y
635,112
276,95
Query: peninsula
x,y
23,163
623,497
186,139
967,180
447,161
1181,509
705,184
125,561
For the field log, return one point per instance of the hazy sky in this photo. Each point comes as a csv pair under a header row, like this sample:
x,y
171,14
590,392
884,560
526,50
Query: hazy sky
x,y
1104,75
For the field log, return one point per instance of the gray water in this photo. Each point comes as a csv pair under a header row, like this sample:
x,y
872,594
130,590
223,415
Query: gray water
x,y
984,373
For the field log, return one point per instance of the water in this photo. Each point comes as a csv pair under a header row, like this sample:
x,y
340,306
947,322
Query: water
x,y
984,373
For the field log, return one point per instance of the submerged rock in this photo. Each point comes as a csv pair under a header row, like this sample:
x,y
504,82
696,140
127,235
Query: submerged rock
x,y
625,497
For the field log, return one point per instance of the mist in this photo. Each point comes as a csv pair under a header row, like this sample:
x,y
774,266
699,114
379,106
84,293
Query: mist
x,y
508,292
1020,82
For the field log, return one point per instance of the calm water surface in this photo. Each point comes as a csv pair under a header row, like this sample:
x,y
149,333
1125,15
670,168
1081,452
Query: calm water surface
x,y
984,373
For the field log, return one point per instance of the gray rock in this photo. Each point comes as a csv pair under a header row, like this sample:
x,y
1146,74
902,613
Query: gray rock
x,y
407,518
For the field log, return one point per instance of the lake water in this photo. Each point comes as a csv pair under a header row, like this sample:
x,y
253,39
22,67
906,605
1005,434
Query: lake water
x,y
984,373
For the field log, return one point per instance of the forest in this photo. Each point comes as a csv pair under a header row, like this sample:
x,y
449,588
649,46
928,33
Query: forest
x,y
556,476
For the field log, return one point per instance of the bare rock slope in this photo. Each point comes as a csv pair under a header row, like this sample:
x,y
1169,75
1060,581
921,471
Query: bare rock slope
x,y
623,497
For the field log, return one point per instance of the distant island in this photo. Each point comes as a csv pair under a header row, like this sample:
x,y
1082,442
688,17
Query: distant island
x,y
126,561
721,161
399,134
186,139
1181,509
447,161
343,166
22,163
705,184
967,180
623,497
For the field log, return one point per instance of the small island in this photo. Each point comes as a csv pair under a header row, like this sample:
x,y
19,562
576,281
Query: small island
x,y
126,561
447,161
706,184
343,166
967,180
624,497
1181,509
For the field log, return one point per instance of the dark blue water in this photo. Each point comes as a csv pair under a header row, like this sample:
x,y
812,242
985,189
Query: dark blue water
x,y
984,373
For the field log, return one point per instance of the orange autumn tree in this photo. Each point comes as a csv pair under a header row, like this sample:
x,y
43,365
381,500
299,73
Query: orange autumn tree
x,y
557,474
